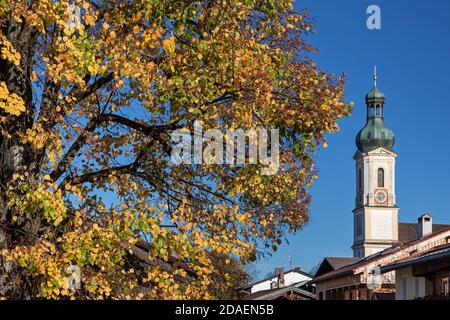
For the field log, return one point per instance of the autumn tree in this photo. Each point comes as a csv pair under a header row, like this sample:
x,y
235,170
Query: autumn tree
x,y
90,92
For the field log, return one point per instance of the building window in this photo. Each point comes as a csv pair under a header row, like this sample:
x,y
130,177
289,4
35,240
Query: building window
x,y
417,287
358,226
378,110
404,288
371,111
359,179
380,178
445,287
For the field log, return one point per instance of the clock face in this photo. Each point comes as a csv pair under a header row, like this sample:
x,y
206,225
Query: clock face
x,y
381,196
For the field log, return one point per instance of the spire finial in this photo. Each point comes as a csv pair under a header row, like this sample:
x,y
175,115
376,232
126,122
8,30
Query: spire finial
x,y
375,78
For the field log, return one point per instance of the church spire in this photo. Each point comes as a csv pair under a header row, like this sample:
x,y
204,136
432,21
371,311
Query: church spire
x,y
375,95
375,133
375,78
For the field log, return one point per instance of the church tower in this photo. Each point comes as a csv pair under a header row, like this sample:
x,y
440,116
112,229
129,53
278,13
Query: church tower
x,y
376,212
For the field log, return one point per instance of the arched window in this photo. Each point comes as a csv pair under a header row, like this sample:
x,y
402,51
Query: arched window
x,y
371,111
378,110
380,178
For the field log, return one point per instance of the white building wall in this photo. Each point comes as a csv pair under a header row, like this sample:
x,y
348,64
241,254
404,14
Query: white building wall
x,y
416,287
381,225
289,279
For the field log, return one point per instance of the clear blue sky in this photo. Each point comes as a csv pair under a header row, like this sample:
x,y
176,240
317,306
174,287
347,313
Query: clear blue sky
x,y
412,53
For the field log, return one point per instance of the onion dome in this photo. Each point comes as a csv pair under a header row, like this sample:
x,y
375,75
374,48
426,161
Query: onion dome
x,y
375,134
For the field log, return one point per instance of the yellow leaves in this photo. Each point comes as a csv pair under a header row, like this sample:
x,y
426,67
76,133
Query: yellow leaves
x,y
35,136
68,32
39,198
169,45
326,107
91,69
226,60
7,51
242,218
10,102
33,76
290,26
90,19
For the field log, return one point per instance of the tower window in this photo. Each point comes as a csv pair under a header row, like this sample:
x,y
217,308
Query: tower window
x,y
378,110
380,178
359,179
371,111
359,225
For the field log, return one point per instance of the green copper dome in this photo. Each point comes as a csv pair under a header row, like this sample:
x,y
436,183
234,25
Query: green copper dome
x,y
375,94
375,134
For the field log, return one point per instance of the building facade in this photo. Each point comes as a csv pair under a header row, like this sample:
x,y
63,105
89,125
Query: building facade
x,y
375,274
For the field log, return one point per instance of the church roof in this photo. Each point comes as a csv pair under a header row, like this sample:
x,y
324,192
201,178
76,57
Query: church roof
x,y
374,135
375,94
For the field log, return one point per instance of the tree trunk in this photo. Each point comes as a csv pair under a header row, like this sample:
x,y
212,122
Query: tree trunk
x,y
14,157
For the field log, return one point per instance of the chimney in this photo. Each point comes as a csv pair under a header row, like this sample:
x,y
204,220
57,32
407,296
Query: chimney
x,y
280,277
425,225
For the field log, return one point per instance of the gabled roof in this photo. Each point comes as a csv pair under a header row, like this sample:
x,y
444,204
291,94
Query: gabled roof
x,y
272,294
441,252
296,270
333,263
383,296
408,232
